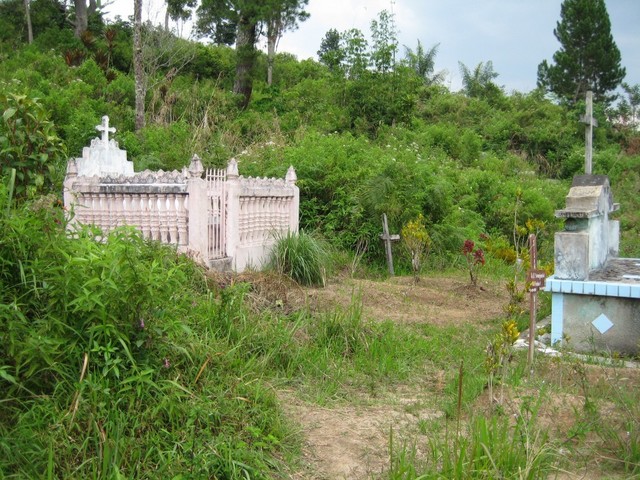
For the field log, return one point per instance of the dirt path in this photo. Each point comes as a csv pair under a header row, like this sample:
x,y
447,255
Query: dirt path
x,y
352,441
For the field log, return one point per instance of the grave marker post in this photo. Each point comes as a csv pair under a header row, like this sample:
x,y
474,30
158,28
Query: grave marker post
x,y
589,122
535,281
387,239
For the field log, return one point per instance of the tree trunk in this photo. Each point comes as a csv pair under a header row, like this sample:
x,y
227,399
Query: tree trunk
x,y
27,14
138,69
246,54
82,17
273,33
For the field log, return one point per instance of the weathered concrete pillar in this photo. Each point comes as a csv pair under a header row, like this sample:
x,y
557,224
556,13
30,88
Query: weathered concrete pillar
x,y
232,232
69,180
294,208
197,208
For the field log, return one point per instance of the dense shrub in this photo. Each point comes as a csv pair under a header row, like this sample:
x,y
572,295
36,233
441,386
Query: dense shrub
x,y
107,359
29,145
213,62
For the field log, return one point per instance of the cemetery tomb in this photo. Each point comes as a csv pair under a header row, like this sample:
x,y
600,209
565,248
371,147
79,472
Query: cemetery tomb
x,y
222,219
595,294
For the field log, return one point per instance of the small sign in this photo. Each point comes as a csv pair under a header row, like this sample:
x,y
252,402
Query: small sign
x,y
535,279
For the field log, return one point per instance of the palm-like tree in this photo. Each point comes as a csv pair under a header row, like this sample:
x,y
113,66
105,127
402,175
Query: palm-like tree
x,y
423,63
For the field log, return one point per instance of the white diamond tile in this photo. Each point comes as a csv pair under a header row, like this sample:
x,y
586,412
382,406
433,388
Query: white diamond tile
x,y
602,323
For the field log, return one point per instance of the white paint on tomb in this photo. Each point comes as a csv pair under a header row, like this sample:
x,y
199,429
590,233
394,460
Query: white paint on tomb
x,y
102,157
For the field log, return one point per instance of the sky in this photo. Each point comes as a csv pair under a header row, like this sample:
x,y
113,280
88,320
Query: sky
x,y
515,35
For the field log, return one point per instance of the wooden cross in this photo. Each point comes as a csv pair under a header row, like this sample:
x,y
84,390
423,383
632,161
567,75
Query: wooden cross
x,y
105,129
590,122
387,239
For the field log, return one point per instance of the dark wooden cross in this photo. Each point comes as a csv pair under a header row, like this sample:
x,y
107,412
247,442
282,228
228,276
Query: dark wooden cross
x,y
387,239
589,122
105,129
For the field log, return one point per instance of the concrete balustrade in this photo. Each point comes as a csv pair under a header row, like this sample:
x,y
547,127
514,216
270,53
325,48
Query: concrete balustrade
x,y
223,219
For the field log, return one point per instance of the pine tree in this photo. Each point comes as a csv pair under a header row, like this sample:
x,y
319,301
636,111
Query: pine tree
x,y
588,58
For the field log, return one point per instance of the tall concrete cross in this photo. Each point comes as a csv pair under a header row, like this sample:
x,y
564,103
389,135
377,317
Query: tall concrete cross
x,y
589,122
105,129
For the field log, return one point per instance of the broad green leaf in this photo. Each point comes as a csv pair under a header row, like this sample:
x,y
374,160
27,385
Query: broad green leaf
x,y
8,113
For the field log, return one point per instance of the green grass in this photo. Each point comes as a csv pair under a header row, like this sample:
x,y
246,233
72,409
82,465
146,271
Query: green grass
x,y
300,256
491,447
118,361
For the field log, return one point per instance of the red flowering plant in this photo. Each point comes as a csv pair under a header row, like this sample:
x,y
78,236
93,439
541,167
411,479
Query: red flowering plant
x,y
475,259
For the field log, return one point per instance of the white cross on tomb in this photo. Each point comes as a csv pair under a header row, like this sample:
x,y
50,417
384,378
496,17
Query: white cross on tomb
x,y
105,129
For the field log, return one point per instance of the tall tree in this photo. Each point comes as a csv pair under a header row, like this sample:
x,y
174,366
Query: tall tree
x,y
384,38
178,10
626,111
331,52
82,14
158,56
633,96
479,82
27,14
588,58
239,21
285,17
356,58
138,67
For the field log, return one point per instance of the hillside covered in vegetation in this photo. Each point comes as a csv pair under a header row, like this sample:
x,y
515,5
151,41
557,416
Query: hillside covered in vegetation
x,y
122,359
364,141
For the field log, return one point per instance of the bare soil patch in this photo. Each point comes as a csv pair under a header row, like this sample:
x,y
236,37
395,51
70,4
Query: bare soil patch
x,y
436,300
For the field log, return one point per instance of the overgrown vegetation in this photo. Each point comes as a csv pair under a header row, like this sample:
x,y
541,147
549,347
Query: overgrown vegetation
x,y
121,359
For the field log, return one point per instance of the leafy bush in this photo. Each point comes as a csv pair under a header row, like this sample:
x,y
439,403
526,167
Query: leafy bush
x,y
106,360
29,144
416,240
213,62
474,257
167,147
58,40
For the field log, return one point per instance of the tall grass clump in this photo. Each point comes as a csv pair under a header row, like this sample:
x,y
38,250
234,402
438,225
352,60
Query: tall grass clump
x,y
494,447
300,256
